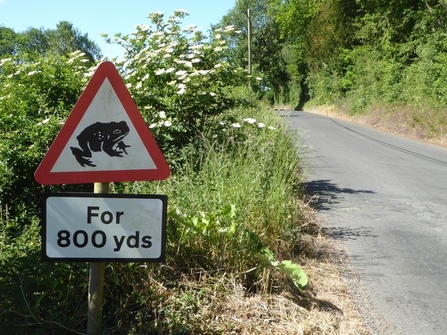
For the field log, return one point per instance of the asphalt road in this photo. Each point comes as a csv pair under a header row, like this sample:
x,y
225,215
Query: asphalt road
x,y
385,198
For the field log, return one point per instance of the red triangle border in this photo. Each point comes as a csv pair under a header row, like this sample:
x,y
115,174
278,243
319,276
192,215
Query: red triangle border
x,y
43,174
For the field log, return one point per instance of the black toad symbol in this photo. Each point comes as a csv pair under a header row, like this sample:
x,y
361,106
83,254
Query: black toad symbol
x,y
99,136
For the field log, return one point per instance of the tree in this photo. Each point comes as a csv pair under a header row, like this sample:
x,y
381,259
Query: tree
x,y
267,60
7,41
66,39
294,16
63,40
33,40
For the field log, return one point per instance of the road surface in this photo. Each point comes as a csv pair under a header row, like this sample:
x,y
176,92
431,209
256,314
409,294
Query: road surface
x,y
385,198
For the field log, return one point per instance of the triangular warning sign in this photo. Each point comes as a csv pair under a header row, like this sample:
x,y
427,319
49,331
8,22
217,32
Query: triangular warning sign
x,y
104,139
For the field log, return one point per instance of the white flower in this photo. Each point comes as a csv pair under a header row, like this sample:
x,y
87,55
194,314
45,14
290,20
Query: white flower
x,y
218,65
261,125
89,74
153,125
143,27
31,73
181,73
236,125
249,120
229,28
159,72
212,94
44,121
217,49
5,60
171,69
167,123
271,128
162,114
197,47
222,123
181,91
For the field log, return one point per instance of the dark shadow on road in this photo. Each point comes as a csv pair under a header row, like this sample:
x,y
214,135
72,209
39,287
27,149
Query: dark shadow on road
x,y
344,233
324,193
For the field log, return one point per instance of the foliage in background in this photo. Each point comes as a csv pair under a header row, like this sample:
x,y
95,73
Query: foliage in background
x,y
353,53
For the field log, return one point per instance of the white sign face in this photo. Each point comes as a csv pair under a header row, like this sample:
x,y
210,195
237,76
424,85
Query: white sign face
x,y
113,145
113,227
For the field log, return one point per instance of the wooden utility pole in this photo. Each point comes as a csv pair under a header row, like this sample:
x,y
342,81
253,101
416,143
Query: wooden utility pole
x,y
249,46
96,285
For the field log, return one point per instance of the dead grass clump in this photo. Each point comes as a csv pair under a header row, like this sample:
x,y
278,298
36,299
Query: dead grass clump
x,y
225,307
326,308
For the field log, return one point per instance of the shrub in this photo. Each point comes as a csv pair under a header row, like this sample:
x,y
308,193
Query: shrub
x,y
178,78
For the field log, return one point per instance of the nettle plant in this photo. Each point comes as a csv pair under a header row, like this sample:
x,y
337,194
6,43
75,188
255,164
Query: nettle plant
x,y
178,77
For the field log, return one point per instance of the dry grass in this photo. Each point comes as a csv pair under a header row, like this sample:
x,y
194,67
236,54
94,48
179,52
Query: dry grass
x,y
327,307
425,125
334,303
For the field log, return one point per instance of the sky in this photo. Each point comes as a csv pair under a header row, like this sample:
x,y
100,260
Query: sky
x,y
94,17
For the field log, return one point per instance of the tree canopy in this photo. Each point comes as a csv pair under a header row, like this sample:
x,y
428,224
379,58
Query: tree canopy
x,y
63,40
360,51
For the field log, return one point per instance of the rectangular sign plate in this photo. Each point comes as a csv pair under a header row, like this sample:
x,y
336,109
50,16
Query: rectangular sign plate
x,y
103,227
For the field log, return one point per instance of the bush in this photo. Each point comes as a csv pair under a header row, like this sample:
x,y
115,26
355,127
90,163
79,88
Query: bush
x,y
178,78
35,98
